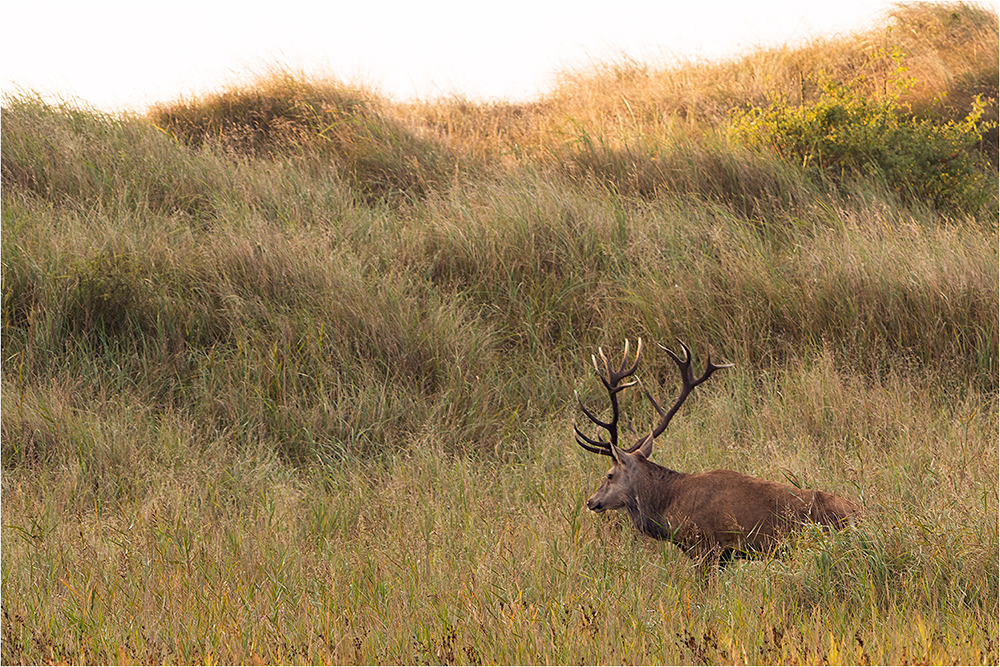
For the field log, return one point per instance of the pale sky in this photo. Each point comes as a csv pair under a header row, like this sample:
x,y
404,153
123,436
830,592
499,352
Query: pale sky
x,y
129,54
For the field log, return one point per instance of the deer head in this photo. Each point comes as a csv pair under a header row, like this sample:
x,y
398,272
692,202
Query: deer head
x,y
630,467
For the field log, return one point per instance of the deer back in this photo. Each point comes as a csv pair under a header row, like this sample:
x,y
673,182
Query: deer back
x,y
723,509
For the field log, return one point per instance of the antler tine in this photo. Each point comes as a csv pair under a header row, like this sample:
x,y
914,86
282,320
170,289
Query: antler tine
x,y
590,415
685,363
606,374
621,372
710,367
594,446
656,406
638,355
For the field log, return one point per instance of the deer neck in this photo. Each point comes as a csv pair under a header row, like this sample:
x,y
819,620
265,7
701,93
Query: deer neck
x,y
652,494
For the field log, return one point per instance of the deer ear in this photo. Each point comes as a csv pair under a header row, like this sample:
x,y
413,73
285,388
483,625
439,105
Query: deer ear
x,y
621,457
647,446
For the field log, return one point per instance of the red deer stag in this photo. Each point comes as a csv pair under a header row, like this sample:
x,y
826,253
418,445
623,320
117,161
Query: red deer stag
x,y
713,516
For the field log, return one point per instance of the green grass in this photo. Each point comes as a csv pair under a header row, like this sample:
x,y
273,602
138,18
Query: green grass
x,y
288,372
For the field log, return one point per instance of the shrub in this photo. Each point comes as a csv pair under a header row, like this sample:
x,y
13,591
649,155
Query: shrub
x,y
848,133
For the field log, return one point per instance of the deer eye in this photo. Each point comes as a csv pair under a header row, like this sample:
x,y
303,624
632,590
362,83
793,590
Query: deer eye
x,y
610,475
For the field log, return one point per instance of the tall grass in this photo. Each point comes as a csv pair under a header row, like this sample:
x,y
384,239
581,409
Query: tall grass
x,y
288,373
229,556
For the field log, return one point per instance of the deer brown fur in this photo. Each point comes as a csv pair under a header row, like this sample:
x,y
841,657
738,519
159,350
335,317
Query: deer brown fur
x,y
712,516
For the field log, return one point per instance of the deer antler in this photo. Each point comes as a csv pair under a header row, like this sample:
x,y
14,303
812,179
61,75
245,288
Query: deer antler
x,y
687,384
612,382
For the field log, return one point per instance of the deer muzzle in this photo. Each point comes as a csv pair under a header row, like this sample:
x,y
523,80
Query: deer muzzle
x,y
595,505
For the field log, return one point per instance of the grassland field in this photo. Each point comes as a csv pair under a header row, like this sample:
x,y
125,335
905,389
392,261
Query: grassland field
x,y
288,370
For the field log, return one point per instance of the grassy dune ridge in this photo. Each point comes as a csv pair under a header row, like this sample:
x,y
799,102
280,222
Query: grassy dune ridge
x,y
288,370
